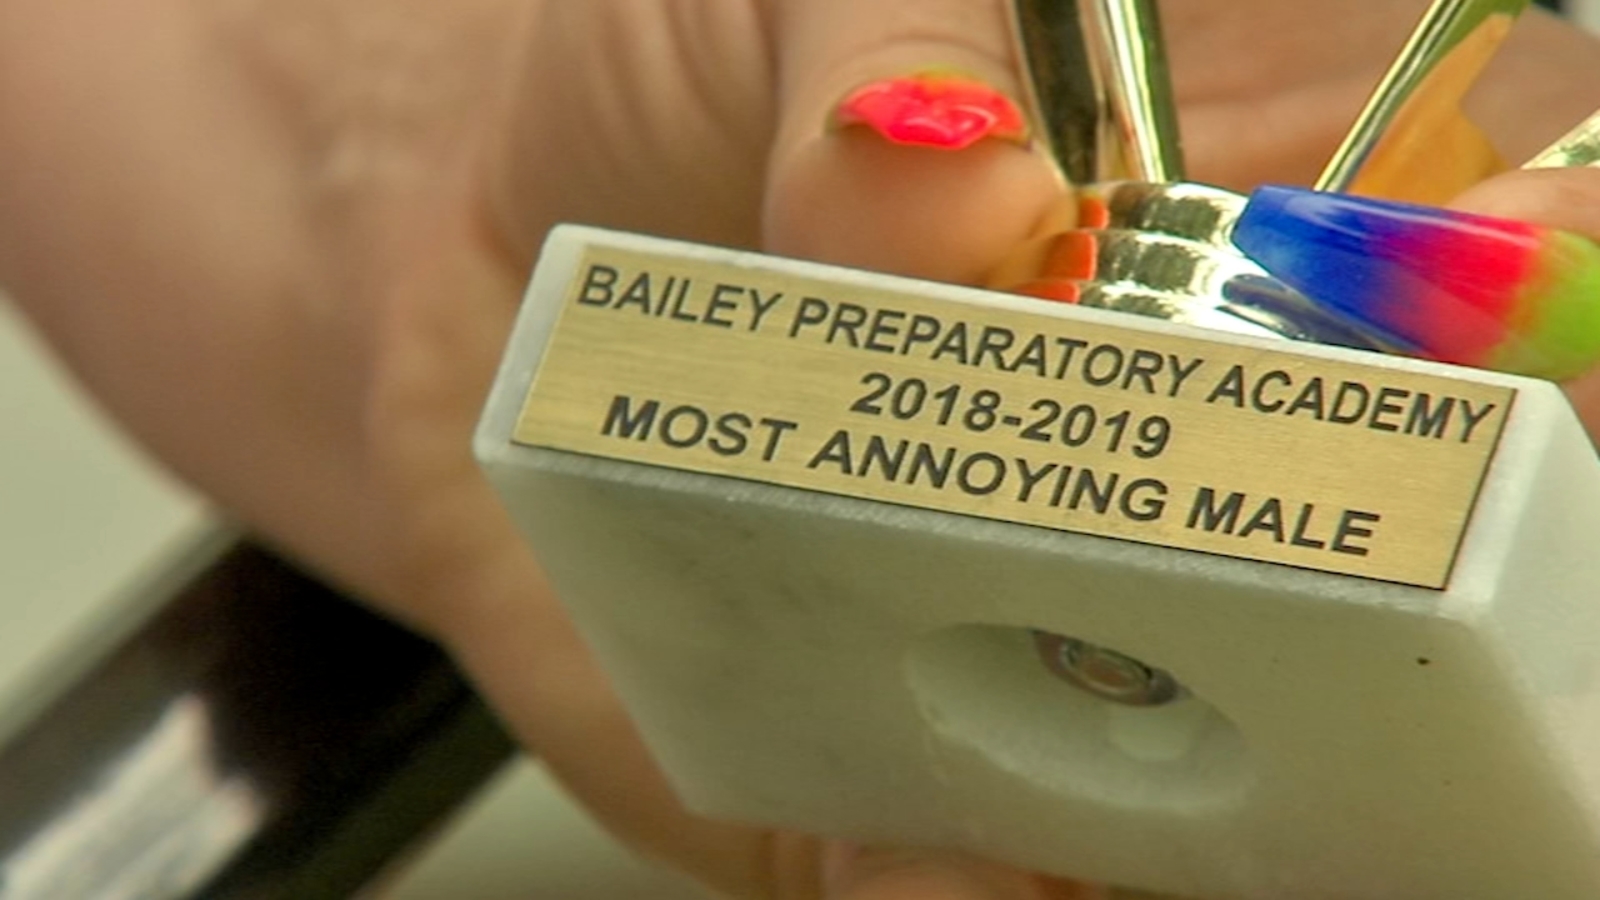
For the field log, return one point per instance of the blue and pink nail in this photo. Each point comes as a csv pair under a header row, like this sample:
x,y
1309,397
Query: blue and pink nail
x,y
1450,286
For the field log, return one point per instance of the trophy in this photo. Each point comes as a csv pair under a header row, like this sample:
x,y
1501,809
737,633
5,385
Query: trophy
x,y
1189,585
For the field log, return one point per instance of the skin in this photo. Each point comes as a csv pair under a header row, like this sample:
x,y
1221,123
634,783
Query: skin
x,y
282,241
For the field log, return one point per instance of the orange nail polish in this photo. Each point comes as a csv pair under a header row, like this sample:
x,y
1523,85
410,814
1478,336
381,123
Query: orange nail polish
x,y
942,110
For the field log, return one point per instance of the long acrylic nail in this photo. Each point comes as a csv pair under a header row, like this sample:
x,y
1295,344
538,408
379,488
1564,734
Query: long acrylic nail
x,y
1461,288
944,110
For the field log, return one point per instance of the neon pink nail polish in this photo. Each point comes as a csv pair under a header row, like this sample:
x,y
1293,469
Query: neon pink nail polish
x,y
933,109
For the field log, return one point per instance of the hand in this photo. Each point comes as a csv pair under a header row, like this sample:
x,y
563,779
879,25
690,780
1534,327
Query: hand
x,y
283,240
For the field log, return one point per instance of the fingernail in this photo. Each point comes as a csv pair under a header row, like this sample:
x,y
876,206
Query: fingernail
x,y
944,110
1461,288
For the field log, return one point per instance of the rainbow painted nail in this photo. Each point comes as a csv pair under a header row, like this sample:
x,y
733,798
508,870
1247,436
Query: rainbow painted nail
x,y
1451,286
943,110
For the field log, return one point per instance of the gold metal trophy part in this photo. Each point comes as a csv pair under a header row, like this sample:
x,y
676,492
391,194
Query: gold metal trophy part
x,y
1412,141
890,396
1100,89
1133,236
1578,147
1153,245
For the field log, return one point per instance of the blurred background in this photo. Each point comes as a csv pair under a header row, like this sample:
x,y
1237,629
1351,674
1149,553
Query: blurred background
x,y
90,538
132,627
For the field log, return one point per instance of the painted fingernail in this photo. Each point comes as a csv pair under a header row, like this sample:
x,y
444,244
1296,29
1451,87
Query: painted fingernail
x,y
944,110
1461,288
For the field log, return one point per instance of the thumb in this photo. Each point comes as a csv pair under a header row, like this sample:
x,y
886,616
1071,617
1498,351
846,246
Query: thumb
x,y
858,873
1566,199
888,197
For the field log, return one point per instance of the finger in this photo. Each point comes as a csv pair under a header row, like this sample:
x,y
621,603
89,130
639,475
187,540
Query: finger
x,y
1568,199
857,873
637,114
849,194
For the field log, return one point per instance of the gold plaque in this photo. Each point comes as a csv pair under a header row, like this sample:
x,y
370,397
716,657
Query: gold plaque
x,y
1056,422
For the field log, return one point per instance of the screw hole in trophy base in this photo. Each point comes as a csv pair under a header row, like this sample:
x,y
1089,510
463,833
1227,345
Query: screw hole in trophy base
x,y
984,688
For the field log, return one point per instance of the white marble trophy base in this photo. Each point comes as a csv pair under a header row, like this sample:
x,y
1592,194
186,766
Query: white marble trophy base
x,y
866,670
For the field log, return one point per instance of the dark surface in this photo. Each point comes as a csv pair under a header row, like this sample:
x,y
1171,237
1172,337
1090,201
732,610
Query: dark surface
x,y
321,738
